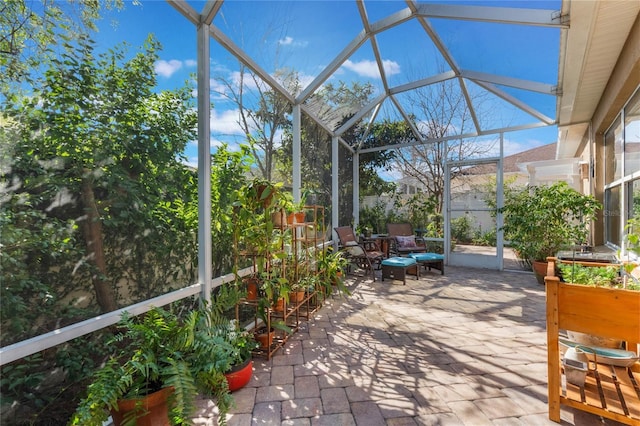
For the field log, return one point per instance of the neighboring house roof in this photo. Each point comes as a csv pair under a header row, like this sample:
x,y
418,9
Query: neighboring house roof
x,y
510,163
541,153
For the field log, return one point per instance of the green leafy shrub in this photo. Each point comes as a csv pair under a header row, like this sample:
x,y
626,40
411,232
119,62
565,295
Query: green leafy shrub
x,y
462,229
594,276
541,220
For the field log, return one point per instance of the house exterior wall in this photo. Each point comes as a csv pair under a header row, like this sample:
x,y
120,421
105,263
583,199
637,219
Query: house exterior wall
x,y
624,80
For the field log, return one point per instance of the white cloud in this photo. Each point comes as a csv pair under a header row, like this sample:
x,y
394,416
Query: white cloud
x,y
218,89
391,67
305,80
192,162
368,68
190,63
225,122
167,68
390,175
289,41
248,81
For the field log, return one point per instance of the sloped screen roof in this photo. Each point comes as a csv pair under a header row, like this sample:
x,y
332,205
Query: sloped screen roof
x,y
501,60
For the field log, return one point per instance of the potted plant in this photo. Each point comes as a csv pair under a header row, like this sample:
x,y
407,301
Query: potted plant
x,y
297,274
240,342
332,265
158,354
541,220
275,287
297,210
265,332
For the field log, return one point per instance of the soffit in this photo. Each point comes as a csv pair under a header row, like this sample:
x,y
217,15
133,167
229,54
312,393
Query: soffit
x,y
592,44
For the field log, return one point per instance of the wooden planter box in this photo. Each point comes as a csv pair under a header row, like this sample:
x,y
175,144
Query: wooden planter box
x,y
610,392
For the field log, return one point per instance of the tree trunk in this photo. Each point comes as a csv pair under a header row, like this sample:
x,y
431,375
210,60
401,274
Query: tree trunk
x,y
92,229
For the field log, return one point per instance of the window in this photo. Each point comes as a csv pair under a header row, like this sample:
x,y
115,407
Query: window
x,y
613,152
612,215
633,209
632,135
622,170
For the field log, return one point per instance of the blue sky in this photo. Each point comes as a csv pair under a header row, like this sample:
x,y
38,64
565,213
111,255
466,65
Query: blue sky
x,y
308,35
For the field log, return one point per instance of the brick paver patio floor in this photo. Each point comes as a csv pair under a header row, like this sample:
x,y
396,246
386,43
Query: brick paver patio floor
x,y
466,348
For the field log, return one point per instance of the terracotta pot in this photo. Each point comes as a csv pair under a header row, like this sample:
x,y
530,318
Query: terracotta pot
x,y
239,375
338,277
265,339
155,405
279,218
297,217
540,270
279,305
252,289
297,296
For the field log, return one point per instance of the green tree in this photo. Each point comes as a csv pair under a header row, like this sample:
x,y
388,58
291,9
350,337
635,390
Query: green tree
x,y
263,113
229,171
95,156
30,32
445,112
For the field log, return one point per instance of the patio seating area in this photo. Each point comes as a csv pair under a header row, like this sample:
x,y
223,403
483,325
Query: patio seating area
x,y
466,348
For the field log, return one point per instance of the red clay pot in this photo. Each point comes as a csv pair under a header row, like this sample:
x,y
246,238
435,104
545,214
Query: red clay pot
x,y
239,375
279,305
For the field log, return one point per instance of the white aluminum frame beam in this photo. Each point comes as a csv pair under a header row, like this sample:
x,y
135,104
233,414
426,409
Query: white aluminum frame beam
x,y
354,45
335,187
496,131
447,75
531,86
296,178
501,15
205,273
515,102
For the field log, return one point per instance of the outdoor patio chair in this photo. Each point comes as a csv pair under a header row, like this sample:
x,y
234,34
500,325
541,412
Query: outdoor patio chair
x,y
404,241
367,256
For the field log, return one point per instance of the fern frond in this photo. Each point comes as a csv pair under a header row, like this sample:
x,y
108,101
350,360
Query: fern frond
x,y
180,378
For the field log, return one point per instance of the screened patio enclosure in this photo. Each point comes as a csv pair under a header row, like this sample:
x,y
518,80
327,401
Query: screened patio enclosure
x,y
500,95
499,63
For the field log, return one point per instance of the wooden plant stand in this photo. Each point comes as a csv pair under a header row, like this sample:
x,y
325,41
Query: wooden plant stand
x,y
610,392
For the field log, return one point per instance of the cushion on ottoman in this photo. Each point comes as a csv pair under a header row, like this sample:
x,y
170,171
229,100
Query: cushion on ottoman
x,y
429,260
421,257
399,261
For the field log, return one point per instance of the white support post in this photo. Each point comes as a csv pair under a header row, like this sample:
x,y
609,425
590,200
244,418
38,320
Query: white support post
x,y
446,208
335,200
356,189
204,164
296,179
499,204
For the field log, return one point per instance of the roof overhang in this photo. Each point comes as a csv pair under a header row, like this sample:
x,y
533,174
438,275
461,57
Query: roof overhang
x,y
589,51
